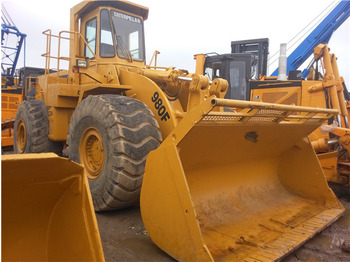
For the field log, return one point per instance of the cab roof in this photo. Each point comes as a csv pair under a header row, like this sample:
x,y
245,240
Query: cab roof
x,y
81,9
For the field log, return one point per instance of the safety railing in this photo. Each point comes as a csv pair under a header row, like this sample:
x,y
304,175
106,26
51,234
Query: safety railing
x,y
246,111
76,37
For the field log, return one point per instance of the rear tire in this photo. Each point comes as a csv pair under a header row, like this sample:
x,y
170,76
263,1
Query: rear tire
x,y
31,129
112,136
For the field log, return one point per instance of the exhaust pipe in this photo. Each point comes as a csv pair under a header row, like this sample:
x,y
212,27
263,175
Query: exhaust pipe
x,y
282,66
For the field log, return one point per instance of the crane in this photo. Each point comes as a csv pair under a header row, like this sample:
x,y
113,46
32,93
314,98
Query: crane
x,y
12,41
321,34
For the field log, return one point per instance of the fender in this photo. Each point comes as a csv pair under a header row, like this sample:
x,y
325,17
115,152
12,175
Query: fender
x,y
147,91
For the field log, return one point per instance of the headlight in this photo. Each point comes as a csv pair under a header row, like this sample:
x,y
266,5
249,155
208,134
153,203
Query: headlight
x,y
81,63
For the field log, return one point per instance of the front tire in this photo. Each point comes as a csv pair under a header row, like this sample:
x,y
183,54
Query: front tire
x,y
31,129
112,136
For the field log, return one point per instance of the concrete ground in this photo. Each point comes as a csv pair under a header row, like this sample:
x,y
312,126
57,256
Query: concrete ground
x,y
124,237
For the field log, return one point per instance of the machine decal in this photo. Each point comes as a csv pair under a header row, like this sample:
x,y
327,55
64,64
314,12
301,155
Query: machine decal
x,y
158,105
127,17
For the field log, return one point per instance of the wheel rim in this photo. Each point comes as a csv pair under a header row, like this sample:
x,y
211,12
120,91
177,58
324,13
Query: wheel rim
x,y
21,136
91,151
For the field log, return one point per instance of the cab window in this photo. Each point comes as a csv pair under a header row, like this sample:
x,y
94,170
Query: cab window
x,y
238,81
90,37
128,31
106,36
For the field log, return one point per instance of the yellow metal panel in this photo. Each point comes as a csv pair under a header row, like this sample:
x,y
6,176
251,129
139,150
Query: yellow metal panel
x,y
62,95
329,163
9,104
237,186
7,137
175,210
312,98
47,211
145,90
59,121
286,95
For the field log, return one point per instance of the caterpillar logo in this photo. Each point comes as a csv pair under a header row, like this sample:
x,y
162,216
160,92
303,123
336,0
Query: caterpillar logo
x,y
127,17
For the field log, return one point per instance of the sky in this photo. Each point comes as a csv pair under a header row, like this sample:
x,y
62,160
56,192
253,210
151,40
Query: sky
x,y
180,29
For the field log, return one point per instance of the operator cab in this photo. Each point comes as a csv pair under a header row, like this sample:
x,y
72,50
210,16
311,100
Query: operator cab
x,y
120,34
113,31
237,69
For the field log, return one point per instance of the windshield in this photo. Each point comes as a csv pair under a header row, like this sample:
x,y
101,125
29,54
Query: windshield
x,y
238,81
128,35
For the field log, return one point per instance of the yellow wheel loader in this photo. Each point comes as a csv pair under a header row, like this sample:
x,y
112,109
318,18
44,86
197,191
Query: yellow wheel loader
x,y
322,88
223,179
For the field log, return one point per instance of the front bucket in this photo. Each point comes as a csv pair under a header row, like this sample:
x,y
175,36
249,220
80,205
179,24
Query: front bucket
x,y
47,211
241,186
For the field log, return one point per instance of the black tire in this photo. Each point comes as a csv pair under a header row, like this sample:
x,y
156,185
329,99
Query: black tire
x,y
31,129
112,136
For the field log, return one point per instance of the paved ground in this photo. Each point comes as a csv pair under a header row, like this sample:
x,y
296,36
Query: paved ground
x,y
124,238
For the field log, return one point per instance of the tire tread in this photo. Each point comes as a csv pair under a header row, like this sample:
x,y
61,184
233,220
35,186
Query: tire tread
x,y
132,133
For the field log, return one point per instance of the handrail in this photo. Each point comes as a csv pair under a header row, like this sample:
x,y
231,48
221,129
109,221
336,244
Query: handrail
x,y
72,36
267,112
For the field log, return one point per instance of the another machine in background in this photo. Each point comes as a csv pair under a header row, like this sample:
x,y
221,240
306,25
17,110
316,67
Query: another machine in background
x,y
320,35
248,61
17,85
12,42
325,88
